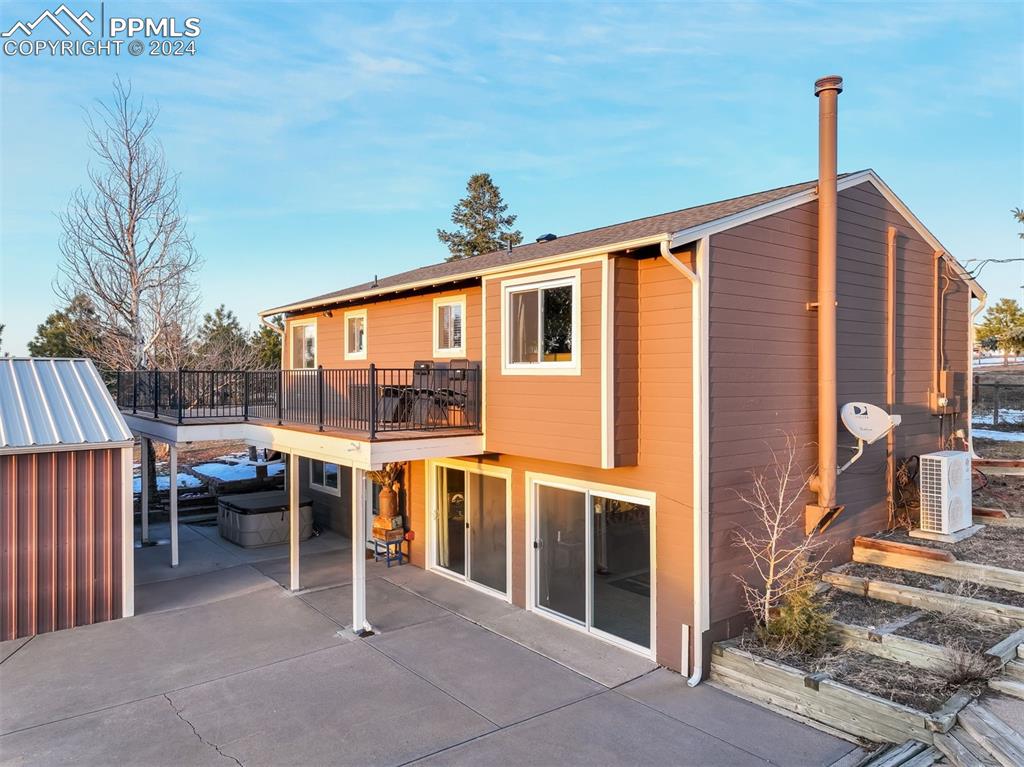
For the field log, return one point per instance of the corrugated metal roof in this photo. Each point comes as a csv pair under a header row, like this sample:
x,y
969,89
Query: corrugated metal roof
x,y
56,403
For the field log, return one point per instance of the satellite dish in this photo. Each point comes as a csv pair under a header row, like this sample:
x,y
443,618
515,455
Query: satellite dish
x,y
867,422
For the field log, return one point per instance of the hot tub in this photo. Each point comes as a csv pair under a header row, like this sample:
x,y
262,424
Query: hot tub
x,y
261,519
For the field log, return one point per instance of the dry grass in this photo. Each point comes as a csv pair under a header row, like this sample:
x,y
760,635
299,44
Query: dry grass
x,y
864,611
1002,491
997,546
955,628
968,666
990,448
935,583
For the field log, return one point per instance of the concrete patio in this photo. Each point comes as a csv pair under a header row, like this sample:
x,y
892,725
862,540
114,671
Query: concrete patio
x,y
223,665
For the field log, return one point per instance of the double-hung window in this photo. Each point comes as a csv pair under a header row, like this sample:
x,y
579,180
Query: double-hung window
x,y
541,325
355,335
450,326
324,476
304,345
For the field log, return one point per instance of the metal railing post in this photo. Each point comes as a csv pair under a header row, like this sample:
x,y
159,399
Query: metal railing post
x,y
320,398
135,391
180,397
373,400
245,395
280,394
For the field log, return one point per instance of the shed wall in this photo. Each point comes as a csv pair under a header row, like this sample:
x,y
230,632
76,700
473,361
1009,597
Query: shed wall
x,y
763,364
61,529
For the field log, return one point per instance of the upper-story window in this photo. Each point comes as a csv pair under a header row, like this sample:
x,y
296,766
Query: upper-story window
x,y
541,320
304,344
450,326
355,335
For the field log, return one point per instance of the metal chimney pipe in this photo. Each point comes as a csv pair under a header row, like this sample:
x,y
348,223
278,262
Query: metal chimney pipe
x,y
827,89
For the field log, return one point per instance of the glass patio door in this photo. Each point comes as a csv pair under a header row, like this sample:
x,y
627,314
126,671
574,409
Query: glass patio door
x,y
471,526
592,561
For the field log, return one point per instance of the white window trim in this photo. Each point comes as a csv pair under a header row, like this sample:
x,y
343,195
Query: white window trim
x,y
324,488
455,351
533,481
360,355
535,282
291,341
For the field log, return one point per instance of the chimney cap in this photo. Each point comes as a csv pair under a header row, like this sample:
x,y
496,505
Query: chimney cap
x,y
828,83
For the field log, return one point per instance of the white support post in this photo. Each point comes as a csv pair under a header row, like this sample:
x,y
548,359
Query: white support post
x,y
293,520
173,460
359,623
128,536
144,498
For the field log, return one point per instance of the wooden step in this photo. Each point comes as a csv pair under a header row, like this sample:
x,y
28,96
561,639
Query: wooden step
x,y
1007,686
895,756
1002,743
1014,668
961,750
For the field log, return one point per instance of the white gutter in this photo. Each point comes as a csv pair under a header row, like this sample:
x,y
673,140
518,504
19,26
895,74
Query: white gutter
x,y
699,334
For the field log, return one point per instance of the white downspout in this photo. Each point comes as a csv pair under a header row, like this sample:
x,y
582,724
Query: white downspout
x,y
701,593
970,373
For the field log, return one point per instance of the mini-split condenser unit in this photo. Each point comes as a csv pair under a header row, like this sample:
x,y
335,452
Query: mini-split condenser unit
x,y
945,479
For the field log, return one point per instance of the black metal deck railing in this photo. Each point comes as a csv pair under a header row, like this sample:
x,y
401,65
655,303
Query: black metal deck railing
x,y
370,400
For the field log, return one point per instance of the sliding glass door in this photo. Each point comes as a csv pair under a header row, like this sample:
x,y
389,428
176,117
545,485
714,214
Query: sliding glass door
x,y
471,526
592,563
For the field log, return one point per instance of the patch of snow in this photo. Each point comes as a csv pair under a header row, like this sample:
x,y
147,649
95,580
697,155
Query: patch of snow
x,y
999,436
226,472
1005,416
163,482
273,469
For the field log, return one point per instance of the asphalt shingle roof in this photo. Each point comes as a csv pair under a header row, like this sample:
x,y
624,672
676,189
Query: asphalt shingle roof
x,y
665,223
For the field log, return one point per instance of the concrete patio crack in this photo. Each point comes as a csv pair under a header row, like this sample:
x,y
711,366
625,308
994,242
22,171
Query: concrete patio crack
x,y
204,741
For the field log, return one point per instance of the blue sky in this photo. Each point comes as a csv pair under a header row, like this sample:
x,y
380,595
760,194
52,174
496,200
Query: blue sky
x,y
321,143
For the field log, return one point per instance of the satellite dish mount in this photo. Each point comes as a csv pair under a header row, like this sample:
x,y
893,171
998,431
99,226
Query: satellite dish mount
x,y
868,423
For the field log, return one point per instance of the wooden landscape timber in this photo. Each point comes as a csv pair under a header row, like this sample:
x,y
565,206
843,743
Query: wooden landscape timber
x,y
984,515
933,561
820,700
924,599
893,647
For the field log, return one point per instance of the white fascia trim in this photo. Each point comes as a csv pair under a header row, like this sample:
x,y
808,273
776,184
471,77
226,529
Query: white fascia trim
x,y
457,351
352,314
686,236
437,282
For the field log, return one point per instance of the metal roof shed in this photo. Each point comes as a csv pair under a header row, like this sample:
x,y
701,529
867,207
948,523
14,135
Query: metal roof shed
x,y
66,516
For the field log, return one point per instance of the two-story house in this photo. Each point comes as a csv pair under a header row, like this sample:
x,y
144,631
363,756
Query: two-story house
x,y
578,416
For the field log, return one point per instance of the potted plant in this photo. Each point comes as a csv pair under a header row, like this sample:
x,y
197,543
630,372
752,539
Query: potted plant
x,y
387,478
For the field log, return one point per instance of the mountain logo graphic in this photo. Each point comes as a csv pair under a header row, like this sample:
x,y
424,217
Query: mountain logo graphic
x,y
62,12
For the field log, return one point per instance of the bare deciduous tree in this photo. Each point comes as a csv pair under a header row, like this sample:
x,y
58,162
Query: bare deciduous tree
x,y
126,245
780,553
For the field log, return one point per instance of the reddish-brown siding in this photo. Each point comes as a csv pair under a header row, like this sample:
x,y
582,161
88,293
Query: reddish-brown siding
x,y
552,417
61,533
626,365
763,362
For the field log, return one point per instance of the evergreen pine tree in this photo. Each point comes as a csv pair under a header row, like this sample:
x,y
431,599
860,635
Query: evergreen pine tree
x,y
482,221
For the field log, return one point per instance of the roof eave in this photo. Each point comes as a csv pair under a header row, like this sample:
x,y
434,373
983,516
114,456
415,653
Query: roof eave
x,y
639,242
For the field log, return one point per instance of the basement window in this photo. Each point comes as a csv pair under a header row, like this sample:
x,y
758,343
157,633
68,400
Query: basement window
x,y
324,476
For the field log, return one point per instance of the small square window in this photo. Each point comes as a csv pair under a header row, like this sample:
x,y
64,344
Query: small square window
x,y
324,476
355,335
